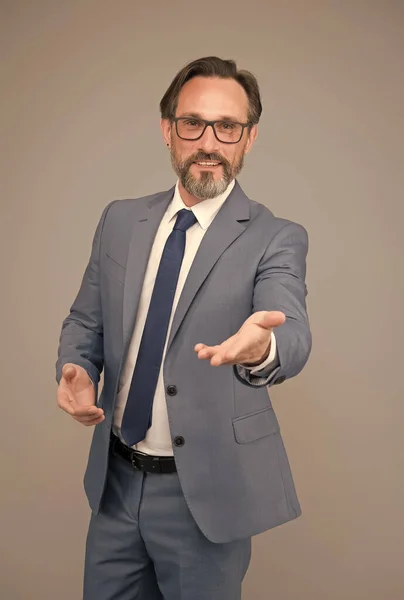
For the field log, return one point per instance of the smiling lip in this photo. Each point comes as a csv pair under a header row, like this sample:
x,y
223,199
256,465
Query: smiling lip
x,y
207,163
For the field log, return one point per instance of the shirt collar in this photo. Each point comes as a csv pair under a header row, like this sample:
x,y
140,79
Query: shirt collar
x,y
205,211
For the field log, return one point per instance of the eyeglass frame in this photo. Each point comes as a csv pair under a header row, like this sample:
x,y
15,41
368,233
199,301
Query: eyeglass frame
x,y
212,124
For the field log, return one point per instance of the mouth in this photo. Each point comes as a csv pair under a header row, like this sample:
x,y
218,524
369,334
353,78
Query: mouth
x,y
207,164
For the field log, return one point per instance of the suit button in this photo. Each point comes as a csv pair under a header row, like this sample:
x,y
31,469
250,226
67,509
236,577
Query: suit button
x,y
171,390
179,440
280,379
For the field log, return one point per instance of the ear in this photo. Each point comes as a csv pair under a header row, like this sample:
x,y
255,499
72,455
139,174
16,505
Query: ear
x,y
252,136
165,125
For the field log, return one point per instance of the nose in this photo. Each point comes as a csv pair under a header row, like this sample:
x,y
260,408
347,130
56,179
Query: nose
x,y
208,142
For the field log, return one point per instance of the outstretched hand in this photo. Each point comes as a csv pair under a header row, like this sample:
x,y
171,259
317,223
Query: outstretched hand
x,y
250,345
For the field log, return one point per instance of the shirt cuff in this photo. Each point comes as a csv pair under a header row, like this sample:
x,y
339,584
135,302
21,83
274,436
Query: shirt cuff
x,y
268,361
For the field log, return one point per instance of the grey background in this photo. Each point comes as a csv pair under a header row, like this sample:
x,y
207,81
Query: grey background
x,y
80,86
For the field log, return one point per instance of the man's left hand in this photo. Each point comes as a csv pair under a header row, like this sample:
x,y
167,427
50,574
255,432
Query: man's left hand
x,y
250,345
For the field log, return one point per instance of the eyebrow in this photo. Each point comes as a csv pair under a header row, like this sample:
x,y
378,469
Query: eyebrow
x,y
196,115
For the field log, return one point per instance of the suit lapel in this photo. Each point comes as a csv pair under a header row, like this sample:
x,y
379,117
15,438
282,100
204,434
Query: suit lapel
x,y
143,234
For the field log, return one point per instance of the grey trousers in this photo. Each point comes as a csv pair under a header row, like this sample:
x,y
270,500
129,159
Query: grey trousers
x,y
145,545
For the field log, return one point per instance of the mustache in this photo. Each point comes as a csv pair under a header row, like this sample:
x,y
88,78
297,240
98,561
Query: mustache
x,y
212,156
202,156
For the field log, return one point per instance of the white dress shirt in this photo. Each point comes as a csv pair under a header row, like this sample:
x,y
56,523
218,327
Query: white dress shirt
x,y
158,438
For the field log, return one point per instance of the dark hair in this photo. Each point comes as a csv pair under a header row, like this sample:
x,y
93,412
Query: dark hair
x,y
212,66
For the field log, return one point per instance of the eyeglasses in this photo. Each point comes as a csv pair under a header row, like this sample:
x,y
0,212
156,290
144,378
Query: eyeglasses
x,y
227,132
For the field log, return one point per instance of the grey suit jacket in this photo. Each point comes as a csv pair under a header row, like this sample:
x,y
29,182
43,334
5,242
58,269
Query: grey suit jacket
x,y
232,466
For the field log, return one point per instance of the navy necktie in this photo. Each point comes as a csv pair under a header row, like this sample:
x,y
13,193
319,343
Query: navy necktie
x,y
137,415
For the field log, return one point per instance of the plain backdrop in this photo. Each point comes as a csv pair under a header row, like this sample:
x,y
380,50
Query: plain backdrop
x,y
80,87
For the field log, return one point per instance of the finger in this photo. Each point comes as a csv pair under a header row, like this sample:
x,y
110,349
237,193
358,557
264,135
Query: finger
x,y
88,411
221,353
271,318
92,422
85,418
66,403
199,347
217,360
208,351
223,358
224,344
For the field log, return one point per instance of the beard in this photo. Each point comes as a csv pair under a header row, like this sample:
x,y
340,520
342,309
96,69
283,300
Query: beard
x,y
205,187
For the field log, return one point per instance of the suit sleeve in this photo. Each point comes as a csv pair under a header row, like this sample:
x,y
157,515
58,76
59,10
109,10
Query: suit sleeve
x,y
81,338
280,285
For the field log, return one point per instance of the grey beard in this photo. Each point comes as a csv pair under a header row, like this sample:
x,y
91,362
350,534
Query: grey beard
x,y
206,187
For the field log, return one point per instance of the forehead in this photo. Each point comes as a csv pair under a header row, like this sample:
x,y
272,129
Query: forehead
x,y
213,98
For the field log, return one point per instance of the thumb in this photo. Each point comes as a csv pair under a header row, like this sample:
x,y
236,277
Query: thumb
x,y
271,318
69,372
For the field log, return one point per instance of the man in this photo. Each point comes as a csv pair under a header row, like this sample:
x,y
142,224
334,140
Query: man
x,y
193,303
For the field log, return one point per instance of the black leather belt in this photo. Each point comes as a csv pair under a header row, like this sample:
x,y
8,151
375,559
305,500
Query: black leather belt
x,y
141,461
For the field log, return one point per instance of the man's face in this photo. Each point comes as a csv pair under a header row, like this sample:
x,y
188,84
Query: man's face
x,y
211,99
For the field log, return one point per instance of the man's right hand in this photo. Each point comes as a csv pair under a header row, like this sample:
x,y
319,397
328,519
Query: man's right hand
x,y
76,395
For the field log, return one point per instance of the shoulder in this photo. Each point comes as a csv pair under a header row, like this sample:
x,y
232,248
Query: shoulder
x,y
263,219
127,206
122,211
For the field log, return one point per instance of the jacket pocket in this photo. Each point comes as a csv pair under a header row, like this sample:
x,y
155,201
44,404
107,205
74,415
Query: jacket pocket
x,y
255,425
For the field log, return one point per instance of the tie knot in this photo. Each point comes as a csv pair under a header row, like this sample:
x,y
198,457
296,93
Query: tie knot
x,y
185,219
